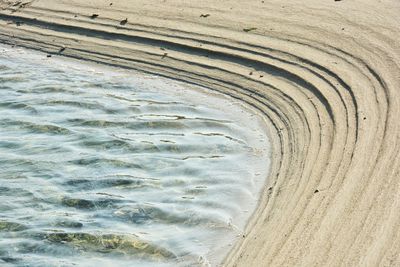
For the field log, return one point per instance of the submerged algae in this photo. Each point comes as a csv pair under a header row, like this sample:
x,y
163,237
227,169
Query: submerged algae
x,y
111,243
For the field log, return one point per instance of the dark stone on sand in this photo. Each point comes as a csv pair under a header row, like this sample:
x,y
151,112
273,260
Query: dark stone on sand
x,y
123,22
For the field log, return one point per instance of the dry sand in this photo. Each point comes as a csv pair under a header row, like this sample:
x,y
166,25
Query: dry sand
x,y
326,75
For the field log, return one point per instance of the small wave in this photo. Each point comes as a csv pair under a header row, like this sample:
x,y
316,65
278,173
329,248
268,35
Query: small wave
x,y
80,203
18,105
36,128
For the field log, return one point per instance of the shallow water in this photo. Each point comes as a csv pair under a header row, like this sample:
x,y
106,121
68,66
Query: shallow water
x,y
100,167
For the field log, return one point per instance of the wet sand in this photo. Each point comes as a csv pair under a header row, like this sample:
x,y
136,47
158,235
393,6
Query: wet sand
x,y
324,75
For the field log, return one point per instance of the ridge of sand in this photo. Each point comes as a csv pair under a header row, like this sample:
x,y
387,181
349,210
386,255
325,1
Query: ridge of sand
x,y
326,76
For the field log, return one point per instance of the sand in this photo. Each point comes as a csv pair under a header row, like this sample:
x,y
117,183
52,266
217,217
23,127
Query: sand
x,y
324,74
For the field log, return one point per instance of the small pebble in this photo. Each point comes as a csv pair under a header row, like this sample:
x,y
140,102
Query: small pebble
x,y
124,21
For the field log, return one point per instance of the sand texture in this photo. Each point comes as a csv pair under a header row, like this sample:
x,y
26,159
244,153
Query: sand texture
x,y
324,74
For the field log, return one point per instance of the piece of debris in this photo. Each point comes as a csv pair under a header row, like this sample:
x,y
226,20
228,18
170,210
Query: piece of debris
x,y
18,5
24,4
261,76
204,15
111,4
165,55
251,73
338,0
316,191
124,21
249,29
49,55
94,16
62,49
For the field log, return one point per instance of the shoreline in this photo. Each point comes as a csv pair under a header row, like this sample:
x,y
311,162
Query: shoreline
x,y
323,75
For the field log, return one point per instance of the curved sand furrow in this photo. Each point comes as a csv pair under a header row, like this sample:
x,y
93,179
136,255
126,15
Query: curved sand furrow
x,y
324,75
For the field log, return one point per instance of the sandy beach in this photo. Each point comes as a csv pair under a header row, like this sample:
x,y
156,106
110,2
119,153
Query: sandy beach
x,y
325,76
